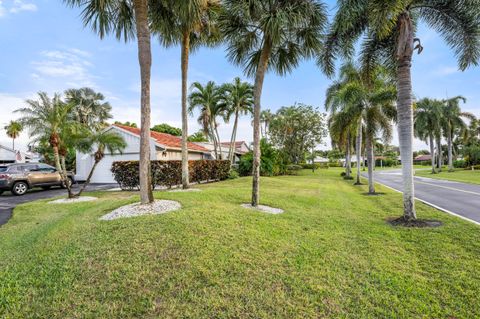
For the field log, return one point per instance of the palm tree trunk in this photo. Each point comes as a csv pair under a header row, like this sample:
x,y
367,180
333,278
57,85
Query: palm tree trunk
x,y
432,152
13,144
450,153
348,162
185,54
405,112
359,150
66,180
231,153
439,154
370,163
89,177
145,60
218,142
257,95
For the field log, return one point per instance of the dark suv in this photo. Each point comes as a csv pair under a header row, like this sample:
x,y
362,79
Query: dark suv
x,y
19,178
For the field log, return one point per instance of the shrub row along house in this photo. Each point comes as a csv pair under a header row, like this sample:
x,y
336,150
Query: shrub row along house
x,y
163,147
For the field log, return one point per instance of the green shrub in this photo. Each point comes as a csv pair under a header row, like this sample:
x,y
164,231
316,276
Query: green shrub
x,y
335,164
270,161
459,164
292,169
343,174
233,174
169,173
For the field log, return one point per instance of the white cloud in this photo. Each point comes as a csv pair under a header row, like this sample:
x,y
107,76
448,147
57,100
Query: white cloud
x,y
446,70
2,10
21,5
71,67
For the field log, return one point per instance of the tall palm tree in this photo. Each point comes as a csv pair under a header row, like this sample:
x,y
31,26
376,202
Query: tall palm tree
x,y
128,19
389,30
342,131
46,119
207,100
89,107
13,130
191,23
428,124
452,117
237,98
100,141
270,35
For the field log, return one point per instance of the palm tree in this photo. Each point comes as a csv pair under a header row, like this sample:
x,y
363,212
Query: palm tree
x,y
128,19
368,104
46,119
237,98
452,117
191,23
207,100
428,124
270,35
389,30
89,107
342,131
102,141
14,128
266,117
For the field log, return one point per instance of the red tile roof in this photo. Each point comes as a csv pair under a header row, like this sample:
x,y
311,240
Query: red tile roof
x,y
425,157
165,139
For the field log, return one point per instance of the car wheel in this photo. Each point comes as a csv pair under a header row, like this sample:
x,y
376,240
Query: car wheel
x,y
19,188
46,187
1,192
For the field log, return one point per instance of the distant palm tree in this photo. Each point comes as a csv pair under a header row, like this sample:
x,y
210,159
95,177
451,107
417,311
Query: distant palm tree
x,y
89,107
270,35
237,98
368,103
46,119
342,132
266,117
190,23
428,115
13,129
127,20
207,100
101,141
389,29
452,118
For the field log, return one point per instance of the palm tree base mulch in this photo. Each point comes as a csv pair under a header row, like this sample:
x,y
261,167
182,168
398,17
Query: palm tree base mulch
x,y
357,184
348,177
373,194
417,223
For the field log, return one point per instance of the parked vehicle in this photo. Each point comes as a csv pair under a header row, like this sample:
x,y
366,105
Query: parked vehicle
x,y
19,178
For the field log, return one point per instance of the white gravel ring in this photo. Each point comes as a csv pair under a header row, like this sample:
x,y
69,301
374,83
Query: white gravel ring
x,y
137,209
264,209
180,190
73,200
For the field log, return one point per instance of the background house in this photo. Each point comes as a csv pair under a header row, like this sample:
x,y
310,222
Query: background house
x,y
163,146
240,148
9,155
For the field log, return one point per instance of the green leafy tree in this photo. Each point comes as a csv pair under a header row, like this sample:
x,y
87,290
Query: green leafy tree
x,y
13,130
388,30
168,129
296,130
270,35
127,123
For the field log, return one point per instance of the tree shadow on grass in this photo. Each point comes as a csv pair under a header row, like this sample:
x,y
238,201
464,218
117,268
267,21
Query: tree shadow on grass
x,y
417,223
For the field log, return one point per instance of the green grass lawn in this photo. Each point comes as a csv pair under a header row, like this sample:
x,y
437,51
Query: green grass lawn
x,y
331,254
459,175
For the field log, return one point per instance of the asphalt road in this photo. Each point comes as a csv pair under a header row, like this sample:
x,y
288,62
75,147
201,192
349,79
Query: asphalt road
x,y
9,201
454,197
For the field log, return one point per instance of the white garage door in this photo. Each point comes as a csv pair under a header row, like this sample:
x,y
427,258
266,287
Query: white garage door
x,y
103,174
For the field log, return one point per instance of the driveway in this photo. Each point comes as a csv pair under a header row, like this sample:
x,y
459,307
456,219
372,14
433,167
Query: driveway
x,y
9,201
456,198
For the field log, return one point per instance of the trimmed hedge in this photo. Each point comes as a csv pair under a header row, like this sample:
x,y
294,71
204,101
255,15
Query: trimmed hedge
x,y
169,173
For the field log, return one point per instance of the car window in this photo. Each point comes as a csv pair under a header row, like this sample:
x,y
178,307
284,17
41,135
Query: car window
x,y
27,168
46,168
3,168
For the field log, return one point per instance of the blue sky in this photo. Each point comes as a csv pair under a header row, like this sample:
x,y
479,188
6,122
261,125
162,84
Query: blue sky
x,y
46,48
